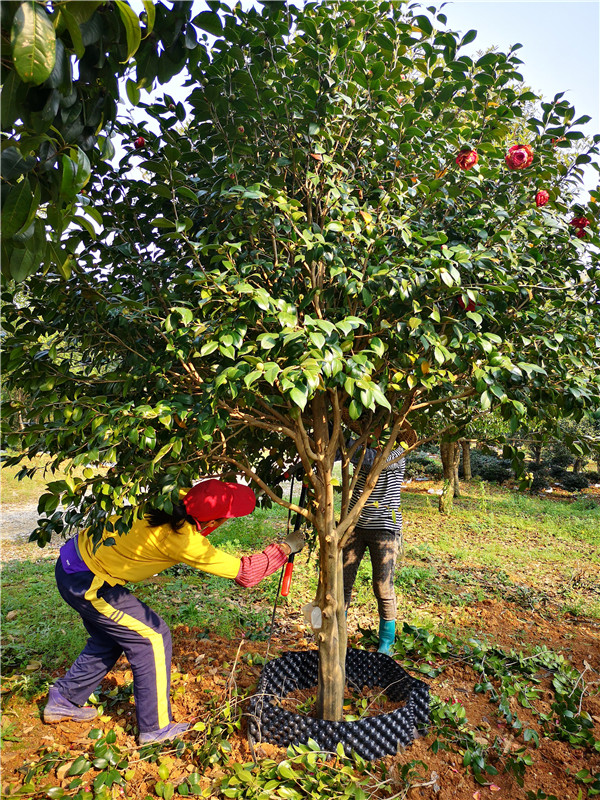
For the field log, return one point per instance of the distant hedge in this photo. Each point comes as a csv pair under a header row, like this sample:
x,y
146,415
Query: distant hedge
x,y
489,467
419,465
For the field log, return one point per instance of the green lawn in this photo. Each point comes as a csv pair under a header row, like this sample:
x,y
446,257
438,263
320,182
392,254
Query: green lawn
x,y
497,543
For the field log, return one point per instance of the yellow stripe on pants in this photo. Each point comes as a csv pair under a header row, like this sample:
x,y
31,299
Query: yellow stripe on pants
x,y
155,639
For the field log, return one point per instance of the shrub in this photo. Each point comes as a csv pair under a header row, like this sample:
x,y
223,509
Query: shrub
x,y
557,471
573,481
420,466
541,477
490,467
560,455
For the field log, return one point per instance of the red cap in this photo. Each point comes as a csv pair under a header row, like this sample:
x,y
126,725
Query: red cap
x,y
213,499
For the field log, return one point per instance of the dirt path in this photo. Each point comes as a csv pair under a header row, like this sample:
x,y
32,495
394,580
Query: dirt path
x,y
16,524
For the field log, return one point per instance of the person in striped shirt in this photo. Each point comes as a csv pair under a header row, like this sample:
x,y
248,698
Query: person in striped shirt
x,y
379,529
91,578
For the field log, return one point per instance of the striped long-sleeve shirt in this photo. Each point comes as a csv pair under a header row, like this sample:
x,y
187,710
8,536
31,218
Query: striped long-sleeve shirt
x,y
382,509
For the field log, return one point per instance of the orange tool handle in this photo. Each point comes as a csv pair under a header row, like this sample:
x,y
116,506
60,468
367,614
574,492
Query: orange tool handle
x,y
287,576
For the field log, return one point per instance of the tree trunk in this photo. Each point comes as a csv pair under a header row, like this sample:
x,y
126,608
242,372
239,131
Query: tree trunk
x,y
577,464
456,462
447,454
331,630
466,454
450,453
447,497
332,638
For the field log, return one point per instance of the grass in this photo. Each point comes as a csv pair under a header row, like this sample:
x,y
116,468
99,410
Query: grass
x,y
498,547
28,488
497,543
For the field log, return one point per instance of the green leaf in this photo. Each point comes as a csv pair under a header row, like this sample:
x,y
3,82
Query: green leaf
x,y
15,210
469,37
84,169
132,28
83,10
133,92
60,259
13,92
107,148
355,409
151,14
79,766
424,24
209,22
85,224
67,181
162,452
486,400
74,31
377,70
477,318
35,202
299,396
33,42
24,261
286,771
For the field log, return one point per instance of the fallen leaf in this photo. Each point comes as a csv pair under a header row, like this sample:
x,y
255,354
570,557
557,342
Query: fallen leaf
x,y
63,769
477,795
494,788
12,615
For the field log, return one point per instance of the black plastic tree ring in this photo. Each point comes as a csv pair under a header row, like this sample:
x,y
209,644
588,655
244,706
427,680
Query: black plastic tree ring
x,y
370,737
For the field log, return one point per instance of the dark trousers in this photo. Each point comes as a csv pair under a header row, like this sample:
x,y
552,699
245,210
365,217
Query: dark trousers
x,y
383,548
118,622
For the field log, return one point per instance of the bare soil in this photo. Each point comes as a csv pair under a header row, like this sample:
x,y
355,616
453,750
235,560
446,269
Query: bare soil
x,y
202,676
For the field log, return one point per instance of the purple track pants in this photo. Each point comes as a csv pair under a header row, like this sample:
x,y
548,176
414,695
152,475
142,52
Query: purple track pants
x,y
118,622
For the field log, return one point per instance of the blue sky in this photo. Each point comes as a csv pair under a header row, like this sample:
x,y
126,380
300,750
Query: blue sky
x,y
561,44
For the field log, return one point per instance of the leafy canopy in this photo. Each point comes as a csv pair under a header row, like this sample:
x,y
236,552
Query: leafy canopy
x,y
305,251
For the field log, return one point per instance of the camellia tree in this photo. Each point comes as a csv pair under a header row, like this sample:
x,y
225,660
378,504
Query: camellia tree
x,y
343,236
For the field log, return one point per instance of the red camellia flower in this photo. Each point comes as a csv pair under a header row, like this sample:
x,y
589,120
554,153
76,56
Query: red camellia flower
x,y
139,143
467,158
519,156
541,198
580,233
580,222
470,306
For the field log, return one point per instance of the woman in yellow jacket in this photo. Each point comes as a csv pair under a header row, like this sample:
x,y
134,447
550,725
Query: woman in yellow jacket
x,y
91,580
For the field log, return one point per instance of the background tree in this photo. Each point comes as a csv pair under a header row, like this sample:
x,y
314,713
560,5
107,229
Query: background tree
x,y
309,252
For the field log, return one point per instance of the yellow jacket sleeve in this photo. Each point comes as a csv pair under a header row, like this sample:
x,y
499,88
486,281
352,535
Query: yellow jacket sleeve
x,y
144,551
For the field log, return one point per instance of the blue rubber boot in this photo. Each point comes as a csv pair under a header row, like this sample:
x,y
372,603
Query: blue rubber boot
x,y
387,636
59,708
170,731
